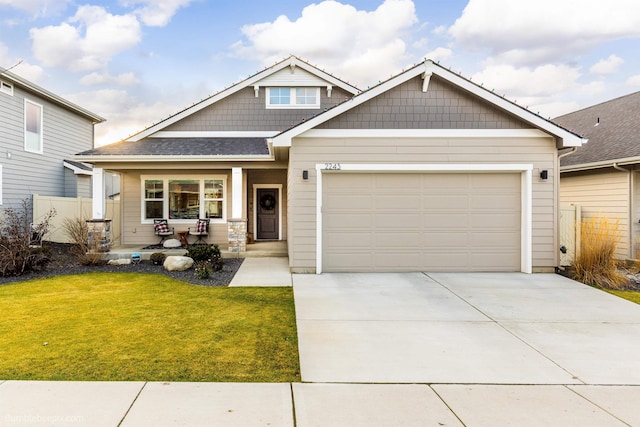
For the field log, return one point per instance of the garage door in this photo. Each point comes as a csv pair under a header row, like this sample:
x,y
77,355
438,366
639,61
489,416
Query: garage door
x,y
421,222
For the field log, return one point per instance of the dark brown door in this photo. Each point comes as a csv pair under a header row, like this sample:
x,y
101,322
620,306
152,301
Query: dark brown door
x,y
268,208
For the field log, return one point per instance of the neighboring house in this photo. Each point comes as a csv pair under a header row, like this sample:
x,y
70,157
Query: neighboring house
x,y
39,131
423,172
602,176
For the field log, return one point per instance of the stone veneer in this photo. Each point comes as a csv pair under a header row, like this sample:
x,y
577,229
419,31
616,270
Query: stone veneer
x,y
237,233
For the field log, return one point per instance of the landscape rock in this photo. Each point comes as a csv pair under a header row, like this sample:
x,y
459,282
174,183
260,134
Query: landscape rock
x,y
178,263
121,261
171,244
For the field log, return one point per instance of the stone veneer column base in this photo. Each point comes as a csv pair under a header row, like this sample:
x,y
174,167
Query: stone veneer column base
x,y
237,233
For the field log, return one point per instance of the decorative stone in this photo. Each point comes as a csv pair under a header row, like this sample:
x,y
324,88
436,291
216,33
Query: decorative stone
x,y
178,263
171,244
121,261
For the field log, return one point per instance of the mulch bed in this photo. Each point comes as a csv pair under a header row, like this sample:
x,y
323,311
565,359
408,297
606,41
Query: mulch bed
x,y
65,262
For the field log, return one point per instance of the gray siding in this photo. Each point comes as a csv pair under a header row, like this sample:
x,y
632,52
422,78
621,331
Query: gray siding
x,y
307,152
442,107
242,111
24,173
601,193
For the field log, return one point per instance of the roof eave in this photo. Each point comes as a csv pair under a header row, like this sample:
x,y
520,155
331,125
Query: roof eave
x,y
169,158
601,164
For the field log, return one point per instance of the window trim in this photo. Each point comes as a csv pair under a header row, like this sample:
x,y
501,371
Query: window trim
x,y
292,98
6,87
165,199
41,134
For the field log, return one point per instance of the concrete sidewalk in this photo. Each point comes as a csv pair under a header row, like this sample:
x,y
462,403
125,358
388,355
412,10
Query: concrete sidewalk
x,y
133,404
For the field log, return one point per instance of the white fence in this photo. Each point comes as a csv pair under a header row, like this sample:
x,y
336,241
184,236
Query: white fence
x,y
570,222
70,207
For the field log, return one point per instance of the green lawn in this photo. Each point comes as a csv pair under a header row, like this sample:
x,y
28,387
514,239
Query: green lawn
x,y
145,327
628,295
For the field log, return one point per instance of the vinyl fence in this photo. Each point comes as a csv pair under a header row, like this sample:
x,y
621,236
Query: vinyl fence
x,y
72,207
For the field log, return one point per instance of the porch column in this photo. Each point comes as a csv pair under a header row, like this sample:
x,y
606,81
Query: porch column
x,y
236,192
98,203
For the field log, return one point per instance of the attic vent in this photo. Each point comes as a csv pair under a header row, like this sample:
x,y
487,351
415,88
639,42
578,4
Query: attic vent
x,y
6,88
597,122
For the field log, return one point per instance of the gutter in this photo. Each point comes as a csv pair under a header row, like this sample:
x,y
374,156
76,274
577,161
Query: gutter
x,y
603,164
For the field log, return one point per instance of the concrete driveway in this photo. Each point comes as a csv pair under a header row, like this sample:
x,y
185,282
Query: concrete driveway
x,y
464,328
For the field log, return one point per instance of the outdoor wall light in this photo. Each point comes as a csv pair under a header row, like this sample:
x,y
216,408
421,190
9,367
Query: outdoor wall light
x,y
305,174
544,174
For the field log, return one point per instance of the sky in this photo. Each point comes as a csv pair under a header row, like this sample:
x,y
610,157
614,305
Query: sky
x,y
136,62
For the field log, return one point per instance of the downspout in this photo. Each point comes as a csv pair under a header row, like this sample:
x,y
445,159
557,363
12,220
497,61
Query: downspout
x,y
562,248
630,211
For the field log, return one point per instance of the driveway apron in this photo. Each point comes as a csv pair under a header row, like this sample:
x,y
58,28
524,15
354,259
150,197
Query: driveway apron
x,y
464,328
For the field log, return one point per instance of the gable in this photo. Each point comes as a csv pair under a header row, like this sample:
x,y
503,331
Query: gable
x,y
243,111
406,106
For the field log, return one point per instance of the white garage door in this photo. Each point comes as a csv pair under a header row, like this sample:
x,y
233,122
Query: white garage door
x,y
421,222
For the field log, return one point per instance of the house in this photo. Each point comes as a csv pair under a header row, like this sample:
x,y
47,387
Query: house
x,y
39,134
602,176
426,171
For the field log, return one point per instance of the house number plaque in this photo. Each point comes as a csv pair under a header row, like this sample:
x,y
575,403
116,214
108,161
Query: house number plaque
x,y
332,166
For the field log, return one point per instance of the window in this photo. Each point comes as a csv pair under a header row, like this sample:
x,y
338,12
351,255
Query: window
x,y
298,97
6,88
32,127
183,199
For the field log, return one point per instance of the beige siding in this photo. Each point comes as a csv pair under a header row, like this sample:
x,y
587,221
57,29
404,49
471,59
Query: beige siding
x,y
600,193
135,232
307,152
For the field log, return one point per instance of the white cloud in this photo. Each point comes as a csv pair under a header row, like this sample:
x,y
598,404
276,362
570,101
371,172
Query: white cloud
x,y
607,66
439,54
527,32
37,7
95,79
540,81
33,73
157,13
355,44
634,80
87,41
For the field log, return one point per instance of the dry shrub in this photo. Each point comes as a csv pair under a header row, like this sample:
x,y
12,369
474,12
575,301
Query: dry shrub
x,y
20,240
78,232
596,264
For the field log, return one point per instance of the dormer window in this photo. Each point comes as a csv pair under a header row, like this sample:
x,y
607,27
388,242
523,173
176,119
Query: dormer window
x,y
6,88
293,97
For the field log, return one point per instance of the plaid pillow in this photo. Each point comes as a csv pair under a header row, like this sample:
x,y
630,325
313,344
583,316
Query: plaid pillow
x,y
162,227
201,226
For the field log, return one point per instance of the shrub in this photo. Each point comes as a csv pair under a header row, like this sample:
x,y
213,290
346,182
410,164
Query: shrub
x,y
210,253
17,233
157,258
203,269
596,264
78,232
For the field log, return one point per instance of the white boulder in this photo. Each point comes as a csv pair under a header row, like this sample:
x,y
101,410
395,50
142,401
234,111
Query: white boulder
x,y
121,261
178,263
171,244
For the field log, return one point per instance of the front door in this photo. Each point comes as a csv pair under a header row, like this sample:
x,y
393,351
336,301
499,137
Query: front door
x,y
267,214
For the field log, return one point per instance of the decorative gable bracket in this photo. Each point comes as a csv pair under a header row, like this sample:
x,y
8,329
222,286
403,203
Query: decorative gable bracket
x,y
426,76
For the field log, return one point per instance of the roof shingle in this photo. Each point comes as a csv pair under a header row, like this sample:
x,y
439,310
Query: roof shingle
x,y
612,127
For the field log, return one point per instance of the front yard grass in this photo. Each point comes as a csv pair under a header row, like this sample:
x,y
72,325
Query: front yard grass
x,y
145,327
633,296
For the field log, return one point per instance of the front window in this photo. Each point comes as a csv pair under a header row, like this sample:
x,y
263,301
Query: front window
x,y
293,97
32,127
183,199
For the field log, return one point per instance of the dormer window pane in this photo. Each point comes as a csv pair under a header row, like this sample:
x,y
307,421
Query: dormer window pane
x,y
280,96
306,96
